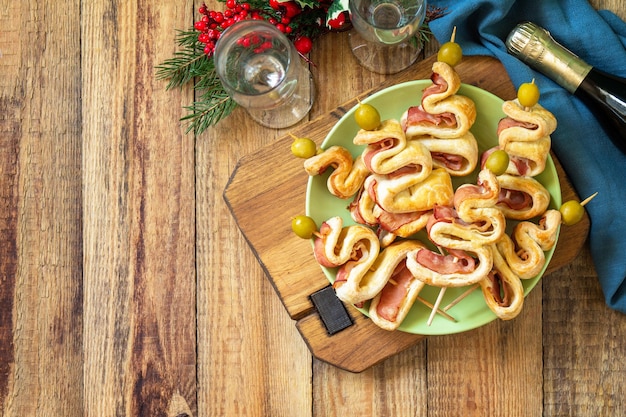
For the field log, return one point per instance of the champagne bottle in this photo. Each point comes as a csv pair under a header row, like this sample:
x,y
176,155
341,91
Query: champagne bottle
x,y
604,94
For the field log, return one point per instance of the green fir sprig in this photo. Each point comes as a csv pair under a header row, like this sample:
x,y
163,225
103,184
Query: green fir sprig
x,y
191,64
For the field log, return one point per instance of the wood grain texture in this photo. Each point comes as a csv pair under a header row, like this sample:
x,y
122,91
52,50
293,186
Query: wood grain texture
x,y
127,289
583,366
41,295
139,230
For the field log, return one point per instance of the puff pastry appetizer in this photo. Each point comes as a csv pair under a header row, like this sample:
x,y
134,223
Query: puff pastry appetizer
x,y
522,198
396,195
525,135
348,174
390,306
442,113
458,156
524,251
502,289
352,249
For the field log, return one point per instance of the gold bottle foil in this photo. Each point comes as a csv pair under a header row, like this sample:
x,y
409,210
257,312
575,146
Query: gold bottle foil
x,y
536,47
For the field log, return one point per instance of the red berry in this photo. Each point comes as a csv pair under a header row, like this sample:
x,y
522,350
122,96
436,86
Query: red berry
x,y
338,22
274,4
202,9
200,25
203,37
303,44
231,4
291,8
280,27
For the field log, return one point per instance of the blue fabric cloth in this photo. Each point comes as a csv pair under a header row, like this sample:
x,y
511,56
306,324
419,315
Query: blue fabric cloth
x,y
590,159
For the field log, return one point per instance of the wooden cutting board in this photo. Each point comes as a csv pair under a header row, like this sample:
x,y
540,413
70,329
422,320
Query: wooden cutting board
x,y
267,188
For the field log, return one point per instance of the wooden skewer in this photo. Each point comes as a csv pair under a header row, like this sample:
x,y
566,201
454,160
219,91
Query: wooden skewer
x,y
442,291
461,297
588,199
440,311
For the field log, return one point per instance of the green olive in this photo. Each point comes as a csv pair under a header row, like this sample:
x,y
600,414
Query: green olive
x,y
571,212
303,147
303,226
528,94
367,117
497,162
450,53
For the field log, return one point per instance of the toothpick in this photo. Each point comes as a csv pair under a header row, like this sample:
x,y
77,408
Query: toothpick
x,y
588,199
453,34
442,291
461,297
440,311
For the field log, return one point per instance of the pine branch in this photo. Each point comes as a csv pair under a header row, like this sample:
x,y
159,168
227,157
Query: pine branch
x,y
187,63
190,64
212,106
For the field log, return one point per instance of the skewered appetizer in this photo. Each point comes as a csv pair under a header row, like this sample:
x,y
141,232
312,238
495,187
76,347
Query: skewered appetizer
x,y
401,184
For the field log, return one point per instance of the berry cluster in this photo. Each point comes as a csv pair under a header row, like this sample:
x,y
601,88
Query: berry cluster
x,y
258,43
213,23
299,25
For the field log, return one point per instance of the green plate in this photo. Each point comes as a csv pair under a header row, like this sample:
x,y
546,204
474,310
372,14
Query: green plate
x,y
471,312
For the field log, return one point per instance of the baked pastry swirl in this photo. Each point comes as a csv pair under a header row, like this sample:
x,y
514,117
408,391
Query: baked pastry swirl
x,y
348,174
442,113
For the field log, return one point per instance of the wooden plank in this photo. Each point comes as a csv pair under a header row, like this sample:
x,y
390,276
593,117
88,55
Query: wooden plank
x,y
583,351
240,319
139,234
40,210
251,359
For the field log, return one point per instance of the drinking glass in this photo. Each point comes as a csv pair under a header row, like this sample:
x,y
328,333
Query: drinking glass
x,y
262,71
383,36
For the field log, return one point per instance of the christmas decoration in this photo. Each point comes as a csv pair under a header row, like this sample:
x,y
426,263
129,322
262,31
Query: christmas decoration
x,y
302,21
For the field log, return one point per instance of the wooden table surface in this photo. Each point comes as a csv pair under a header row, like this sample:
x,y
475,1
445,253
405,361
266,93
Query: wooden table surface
x,y
127,289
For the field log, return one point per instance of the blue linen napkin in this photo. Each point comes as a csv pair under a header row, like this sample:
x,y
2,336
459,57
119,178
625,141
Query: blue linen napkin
x,y
588,156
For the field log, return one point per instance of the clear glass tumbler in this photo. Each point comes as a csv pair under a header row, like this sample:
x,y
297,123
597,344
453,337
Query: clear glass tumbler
x,y
262,71
383,36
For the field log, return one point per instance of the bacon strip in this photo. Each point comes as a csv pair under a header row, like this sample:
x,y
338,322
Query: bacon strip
x,y
375,148
514,199
318,246
439,86
394,221
499,289
508,122
456,261
394,293
450,161
416,114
